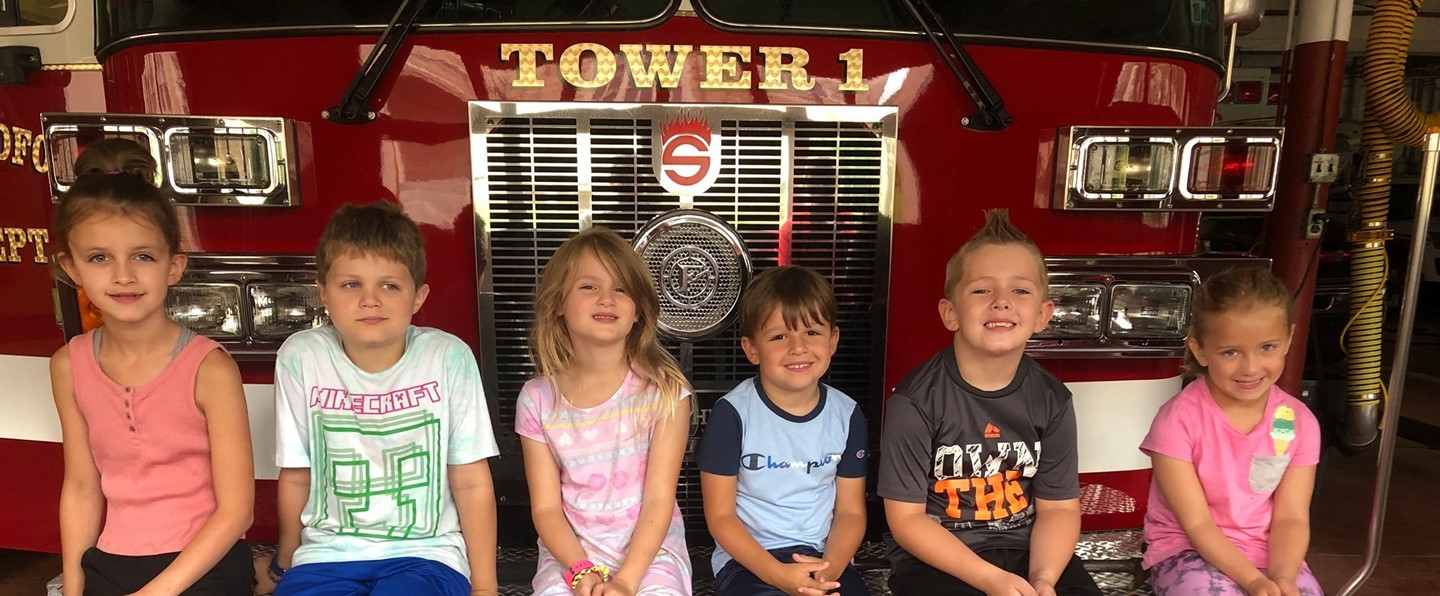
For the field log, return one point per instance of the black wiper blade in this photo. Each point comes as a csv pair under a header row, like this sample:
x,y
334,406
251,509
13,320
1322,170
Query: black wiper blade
x,y
992,115
353,108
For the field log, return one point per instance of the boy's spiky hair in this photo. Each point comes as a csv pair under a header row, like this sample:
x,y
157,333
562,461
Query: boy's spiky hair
x,y
801,294
380,229
997,231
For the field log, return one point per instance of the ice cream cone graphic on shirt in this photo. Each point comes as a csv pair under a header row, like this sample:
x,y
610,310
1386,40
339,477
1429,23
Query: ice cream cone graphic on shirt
x,y
1282,428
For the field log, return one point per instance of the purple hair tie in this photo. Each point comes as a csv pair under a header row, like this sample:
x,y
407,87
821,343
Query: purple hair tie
x,y
115,172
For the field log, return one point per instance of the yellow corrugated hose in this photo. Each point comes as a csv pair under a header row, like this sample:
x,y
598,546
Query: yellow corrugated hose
x,y
1390,117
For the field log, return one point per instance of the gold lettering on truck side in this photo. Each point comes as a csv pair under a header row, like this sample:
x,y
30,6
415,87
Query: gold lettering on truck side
x,y
4,142
643,74
15,237
527,69
854,70
39,157
20,145
38,237
775,65
571,71
722,63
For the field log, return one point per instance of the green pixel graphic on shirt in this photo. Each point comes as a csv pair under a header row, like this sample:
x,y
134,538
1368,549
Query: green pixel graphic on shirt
x,y
395,498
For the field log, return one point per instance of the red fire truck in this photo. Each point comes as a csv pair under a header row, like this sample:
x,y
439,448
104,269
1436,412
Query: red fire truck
x,y
862,138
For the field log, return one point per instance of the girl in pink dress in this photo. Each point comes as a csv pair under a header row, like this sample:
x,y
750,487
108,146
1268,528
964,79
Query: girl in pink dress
x,y
604,428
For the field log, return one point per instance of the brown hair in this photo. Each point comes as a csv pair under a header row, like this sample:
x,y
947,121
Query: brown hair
x,y
114,156
380,229
801,294
123,194
997,231
550,345
1233,289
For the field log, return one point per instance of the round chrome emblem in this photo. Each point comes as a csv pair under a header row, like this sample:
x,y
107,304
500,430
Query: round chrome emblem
x,y
700,266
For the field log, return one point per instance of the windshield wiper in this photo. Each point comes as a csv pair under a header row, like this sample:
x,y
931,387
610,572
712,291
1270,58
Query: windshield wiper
x,y
992,115
353,108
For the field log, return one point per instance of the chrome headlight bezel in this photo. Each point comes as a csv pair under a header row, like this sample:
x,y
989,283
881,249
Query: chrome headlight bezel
x,y
1120,277
249,274
275,163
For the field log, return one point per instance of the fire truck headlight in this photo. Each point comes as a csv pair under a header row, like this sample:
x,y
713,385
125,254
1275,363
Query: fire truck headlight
x,y
1077,311
1122,167
278,310
238,160
1219,168
212,310
1159,311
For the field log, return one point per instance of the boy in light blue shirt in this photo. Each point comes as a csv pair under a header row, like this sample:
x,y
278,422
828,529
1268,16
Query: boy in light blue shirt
x,y
782,462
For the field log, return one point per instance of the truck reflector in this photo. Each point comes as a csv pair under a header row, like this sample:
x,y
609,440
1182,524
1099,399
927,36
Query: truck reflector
x,y
1165,169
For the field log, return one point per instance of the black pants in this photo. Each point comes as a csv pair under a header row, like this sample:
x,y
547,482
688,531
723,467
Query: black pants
x,y
735,580
913,577
118,575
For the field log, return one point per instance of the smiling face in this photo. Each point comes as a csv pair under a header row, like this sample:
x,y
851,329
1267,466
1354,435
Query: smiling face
x,y
124,266
791,361
598,309
998,303
1243,352
370,300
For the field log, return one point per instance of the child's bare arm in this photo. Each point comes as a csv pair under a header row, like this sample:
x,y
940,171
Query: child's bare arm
x,y
1052,540
221,398
848,527
81,502
1290,523
1182,490
542,475
291,493
474,493
667,451
937,547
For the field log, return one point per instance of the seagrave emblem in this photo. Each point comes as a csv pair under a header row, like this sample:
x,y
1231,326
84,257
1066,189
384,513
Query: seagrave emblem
x,y
687,160
689,277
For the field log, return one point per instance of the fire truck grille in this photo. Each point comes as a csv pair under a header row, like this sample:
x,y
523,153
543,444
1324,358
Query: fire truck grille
x,y
806,192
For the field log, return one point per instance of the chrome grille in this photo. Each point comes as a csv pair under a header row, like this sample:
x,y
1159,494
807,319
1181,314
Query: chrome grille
x,y
800,185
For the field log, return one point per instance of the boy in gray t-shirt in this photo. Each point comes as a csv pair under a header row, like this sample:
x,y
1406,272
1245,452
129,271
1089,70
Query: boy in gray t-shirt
x,y
978,470
782,462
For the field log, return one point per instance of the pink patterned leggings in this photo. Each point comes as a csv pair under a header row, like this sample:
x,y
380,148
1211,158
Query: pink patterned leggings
x,y
1188,574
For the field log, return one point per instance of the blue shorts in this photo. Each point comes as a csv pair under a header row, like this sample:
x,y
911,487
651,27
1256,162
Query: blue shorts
x,y
735,580
400,577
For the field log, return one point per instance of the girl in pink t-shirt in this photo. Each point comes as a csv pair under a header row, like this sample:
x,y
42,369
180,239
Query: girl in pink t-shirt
x,y
1234,455
159,484
604,428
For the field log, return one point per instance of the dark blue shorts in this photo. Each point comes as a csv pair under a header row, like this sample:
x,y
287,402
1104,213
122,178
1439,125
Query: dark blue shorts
x,y
735,580
400,577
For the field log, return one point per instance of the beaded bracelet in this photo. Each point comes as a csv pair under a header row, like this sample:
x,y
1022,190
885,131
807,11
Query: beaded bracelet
x,y
580,569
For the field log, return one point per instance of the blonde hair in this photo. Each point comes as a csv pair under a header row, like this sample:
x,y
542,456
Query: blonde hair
x,y
801,294
1233,289
997,231
550,345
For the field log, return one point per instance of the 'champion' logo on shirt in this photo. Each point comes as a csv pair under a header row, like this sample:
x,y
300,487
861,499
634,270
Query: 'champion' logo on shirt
x,y
760,461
